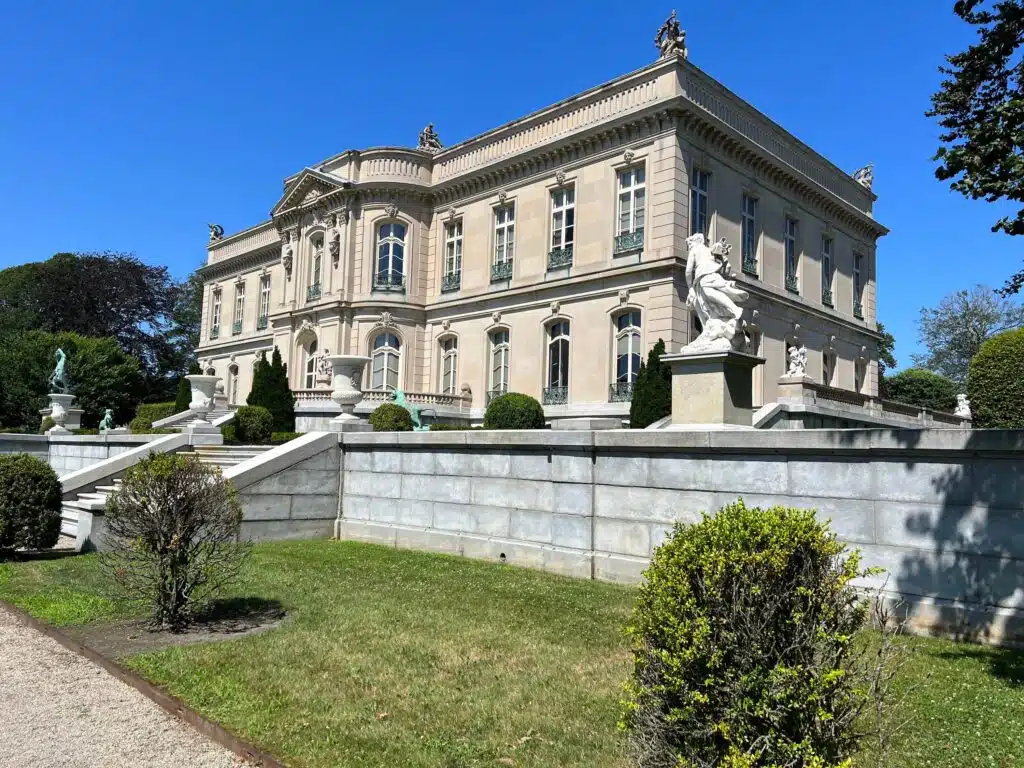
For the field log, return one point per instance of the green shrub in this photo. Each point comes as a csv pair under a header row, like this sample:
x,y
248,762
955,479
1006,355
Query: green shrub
x,y
30,499
652,390
230,433
277,438
154,411
140,426
916,386
184,395
743,642
84,431
514,411
253,424
172,536
270,390
449,427
46,425
390,417
995,385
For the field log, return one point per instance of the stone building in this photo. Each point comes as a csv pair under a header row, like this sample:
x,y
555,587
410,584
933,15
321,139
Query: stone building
x,y
547,256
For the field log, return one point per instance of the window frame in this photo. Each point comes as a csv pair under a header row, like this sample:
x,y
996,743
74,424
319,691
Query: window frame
x,y
449,363
265,290
238,316
504,232
750,233
453,239
503,349
386,351
634,332
391,241
562,341
309,374
637,213
791,251
566,209
858,283
700,198
216,302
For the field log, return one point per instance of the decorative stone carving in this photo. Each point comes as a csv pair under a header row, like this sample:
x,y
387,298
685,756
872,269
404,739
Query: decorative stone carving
x,y
386,320
671,40
451,214
496,317
216,232
391,210
502,195
286,261
628,155
466,391
623,296
963,407
203,388
312,195
429,140
865,176
560,177
59,378
797,354
322,366
346,377
713,295
446,324
555,306
335,248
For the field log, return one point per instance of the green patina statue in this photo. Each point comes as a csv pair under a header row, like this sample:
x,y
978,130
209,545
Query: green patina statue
x,y
107,423
398,397
59,378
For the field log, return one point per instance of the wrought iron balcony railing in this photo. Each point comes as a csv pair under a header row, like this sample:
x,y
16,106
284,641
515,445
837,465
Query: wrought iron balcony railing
x,y
620,392
493,393
261,323
314,292
629,241
858,310
215,332
236,328
451,282
389,281
826,296
556,395
501,271
560,258
750,267
792,284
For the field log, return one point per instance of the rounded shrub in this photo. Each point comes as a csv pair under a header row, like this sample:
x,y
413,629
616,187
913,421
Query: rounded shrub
x,y
390,417
916,386
140,425
46,425
743,643
30,499
995,386
514,411
254,424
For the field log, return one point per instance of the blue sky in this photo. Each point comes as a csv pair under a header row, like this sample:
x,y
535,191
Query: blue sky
x,y
129,126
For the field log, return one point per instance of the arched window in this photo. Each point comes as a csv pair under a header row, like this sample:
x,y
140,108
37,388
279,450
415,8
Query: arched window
x,y
627,355
557,390
310,381
390,274
386,352
499,364
449,364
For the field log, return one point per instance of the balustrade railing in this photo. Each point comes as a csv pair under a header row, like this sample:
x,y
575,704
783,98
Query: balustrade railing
x,y
262,323
501,271
556,395
236,328
493,393
826,297
451,282
629,241
792,284
383,395
314,292
858,310
750,267
389,281
559,258
620,392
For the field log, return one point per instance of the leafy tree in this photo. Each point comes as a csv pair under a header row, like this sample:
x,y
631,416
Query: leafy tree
x,y
652,391
953,332
102,376
916,386
270,389
184,321
995,385
181,402
980,107
886,350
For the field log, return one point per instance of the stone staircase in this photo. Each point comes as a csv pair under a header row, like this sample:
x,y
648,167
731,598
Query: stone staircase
x,y
223,456
213,415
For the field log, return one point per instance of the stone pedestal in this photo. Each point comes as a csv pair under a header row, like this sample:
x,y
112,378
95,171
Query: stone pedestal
x,y
793,388
712,389
64,416
346,375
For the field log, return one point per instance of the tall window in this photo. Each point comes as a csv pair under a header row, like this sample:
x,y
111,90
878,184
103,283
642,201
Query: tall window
x,y
317,266
558,354
449,364
453,248
236,328
499,363
627,354
828,367
390,255
750,235
858,286
215,315
632,194
504,233
261,322
311,365
384,370
860,368
792,254
563,218
700,183
826,271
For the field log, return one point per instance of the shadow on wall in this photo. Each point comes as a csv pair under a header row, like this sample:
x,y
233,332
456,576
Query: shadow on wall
x,y
974,523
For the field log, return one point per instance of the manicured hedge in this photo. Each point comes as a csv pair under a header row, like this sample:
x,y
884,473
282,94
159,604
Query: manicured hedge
x,y
154,411
514,411
253,424
995,382
916,386
30,499
390,417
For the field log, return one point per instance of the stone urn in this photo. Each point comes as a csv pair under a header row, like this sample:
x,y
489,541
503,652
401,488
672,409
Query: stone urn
x,y
60,408
203,391
346,374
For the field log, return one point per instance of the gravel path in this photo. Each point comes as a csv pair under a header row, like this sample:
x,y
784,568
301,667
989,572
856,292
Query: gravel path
x,y
59,709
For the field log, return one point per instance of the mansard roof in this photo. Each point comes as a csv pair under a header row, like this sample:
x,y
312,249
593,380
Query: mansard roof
x,y
309,185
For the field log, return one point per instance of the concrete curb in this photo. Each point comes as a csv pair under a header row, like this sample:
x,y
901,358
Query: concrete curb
x,y
215,733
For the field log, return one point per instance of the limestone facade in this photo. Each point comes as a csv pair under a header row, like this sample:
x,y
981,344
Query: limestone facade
x,y
547,256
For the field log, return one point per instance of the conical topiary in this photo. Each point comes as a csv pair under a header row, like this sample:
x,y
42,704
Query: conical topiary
x,y
652,391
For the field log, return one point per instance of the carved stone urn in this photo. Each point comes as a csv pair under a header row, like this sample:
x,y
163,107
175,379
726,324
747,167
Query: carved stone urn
x,y
204,389
346,374
60,412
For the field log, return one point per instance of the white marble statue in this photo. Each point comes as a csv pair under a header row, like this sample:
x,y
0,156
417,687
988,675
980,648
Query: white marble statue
x,y
713,295
324,370
865,176
797,360
963,407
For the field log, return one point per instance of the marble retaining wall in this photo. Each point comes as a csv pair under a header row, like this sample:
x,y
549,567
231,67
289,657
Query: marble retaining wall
x,y
69,453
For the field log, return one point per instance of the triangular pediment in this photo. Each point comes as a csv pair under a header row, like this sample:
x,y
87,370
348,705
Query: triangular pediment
x,y
308,187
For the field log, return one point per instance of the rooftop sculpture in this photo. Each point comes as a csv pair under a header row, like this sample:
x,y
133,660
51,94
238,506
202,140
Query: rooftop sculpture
x,y
429,140
671,40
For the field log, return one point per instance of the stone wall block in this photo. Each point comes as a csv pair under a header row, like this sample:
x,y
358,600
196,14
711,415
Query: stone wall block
x,y
572,468
619,568
265,506
355,507
531,526
573,499
278,530
845,478
418,463
653,504
358,460
532,466
387,461
373,484
622,537
683,472
361,530
315,508
415,512
434,488
325,460
431,541
457,463
571,531
492,464
512,493
300,482
621,470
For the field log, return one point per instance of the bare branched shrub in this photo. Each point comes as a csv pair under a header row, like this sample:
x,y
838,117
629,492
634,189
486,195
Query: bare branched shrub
x,y
172,531
748,648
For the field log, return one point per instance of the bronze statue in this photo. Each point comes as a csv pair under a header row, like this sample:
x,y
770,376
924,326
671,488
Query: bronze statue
x,y
59,378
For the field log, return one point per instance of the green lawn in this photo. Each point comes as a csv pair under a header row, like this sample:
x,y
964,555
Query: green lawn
x,y
401,658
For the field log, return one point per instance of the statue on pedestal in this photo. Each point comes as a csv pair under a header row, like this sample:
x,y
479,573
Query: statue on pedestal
x,y
671,40
963,407
59,378
216,232
107,423
398,396
865,176
797,354
429,140
713,295
323,368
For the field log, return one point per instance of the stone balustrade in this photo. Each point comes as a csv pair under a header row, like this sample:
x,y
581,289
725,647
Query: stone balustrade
x,y
375,396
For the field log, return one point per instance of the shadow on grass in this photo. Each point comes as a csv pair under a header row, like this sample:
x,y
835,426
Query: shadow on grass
x,y
236,614
1006,664
31,555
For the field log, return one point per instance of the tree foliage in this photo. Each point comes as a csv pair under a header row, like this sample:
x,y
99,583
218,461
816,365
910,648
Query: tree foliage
x,y
916,386
270,389
995,385
514,410
102,376
886,350
953,332
391,417
652,391
980,107
30,498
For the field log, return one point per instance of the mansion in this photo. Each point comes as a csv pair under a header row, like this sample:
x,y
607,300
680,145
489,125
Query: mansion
x,y
547,256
